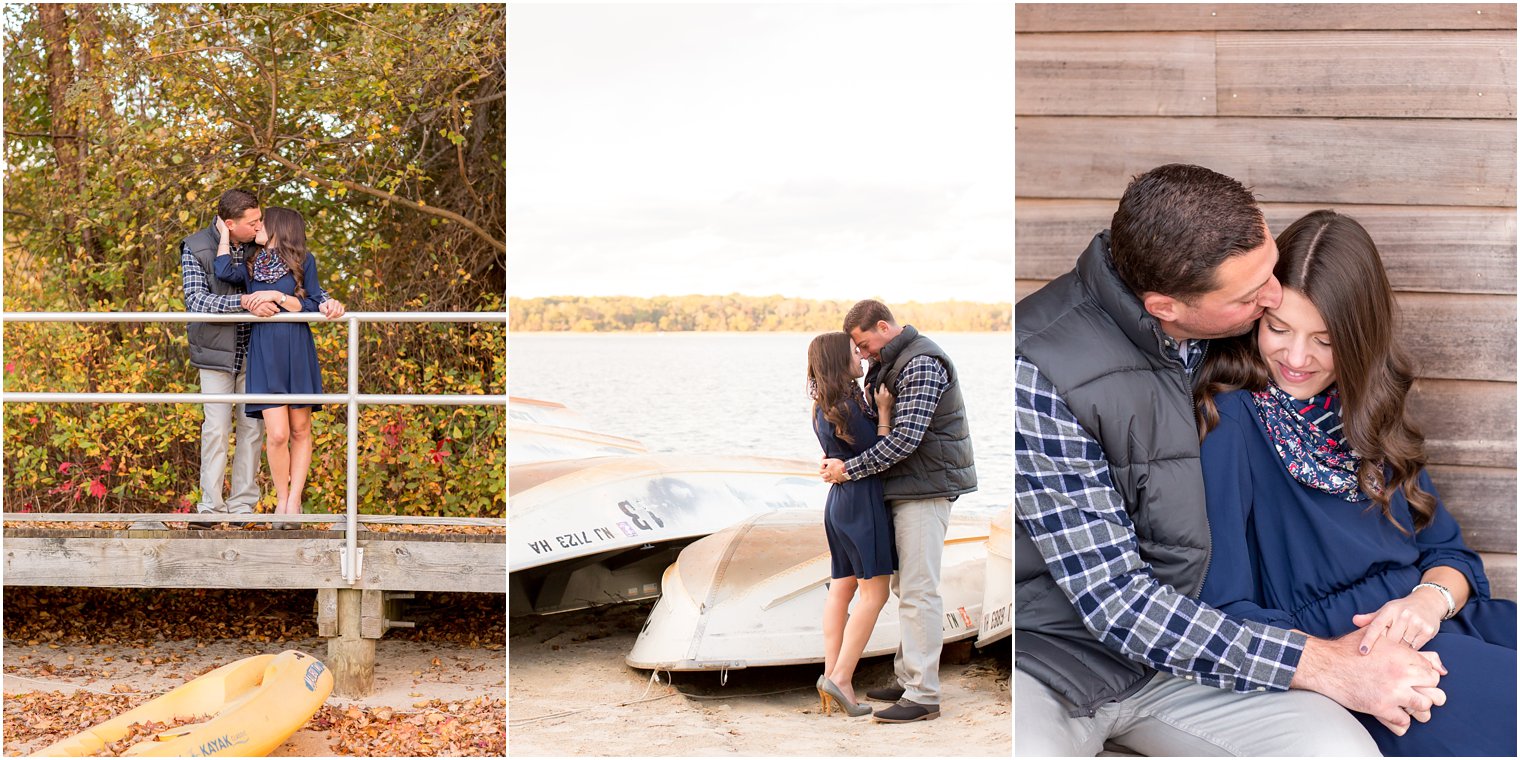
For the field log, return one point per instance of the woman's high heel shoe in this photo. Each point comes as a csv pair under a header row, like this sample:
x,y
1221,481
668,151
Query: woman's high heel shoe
x,y
833,696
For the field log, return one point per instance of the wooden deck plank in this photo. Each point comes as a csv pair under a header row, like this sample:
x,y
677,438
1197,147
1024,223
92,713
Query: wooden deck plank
x,y
1459,337
1106,74
1431,162
23,531
1483,501
1174,17
231,563
180,517
1425,74
1442,249
1466,422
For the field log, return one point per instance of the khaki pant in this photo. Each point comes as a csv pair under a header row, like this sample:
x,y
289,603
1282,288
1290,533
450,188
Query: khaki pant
x,y
1173,716
220,421
919,527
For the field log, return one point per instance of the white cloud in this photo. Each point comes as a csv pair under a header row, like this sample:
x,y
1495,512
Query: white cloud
x,y
818,151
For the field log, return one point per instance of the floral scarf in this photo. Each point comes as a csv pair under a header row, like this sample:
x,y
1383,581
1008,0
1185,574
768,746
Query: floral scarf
x,y
268,266
1306,435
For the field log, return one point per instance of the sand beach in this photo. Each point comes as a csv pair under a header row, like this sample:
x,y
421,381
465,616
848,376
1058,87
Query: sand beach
x,y
570,693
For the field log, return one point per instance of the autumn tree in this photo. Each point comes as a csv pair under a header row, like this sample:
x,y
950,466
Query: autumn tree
x,y
382,124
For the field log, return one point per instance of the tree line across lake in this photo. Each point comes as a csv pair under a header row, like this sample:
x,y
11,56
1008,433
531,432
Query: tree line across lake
x,y
737,313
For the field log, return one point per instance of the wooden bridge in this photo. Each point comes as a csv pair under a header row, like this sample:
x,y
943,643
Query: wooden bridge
x,y
358,574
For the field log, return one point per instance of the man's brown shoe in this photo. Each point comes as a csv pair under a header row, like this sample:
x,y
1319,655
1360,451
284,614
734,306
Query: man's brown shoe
x,y
886,693
906,711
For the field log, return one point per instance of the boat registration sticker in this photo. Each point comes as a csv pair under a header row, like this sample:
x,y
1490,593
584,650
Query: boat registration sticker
x,y
313,672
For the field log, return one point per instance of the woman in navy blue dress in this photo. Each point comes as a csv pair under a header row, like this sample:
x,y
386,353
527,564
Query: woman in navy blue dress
x,y
1321,514
855,518
282,357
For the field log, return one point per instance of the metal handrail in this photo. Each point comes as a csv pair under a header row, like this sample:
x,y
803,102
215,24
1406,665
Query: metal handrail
x,y
351,556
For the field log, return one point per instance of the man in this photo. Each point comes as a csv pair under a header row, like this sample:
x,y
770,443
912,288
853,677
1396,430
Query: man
x,y
218,350
1113,537
925,463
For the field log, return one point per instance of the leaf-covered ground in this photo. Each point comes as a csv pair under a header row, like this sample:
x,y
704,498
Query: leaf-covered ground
x,y
57,615
433,728
439,687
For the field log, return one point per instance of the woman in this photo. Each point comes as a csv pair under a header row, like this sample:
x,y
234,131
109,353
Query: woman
x,y
1322,516
855,518
282,357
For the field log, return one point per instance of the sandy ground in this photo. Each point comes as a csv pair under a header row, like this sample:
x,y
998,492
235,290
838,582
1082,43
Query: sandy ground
x,y
571,694
405,673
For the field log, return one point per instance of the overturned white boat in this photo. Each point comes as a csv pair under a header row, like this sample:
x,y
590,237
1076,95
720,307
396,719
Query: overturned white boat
x,y
543,431
601,530
997,595
752,595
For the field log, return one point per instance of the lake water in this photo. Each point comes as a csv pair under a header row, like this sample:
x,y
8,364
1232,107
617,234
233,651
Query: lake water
x,y
743,393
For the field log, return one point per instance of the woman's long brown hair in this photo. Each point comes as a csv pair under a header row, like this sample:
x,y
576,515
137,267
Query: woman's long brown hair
x,y
830,382
287,231
1332,261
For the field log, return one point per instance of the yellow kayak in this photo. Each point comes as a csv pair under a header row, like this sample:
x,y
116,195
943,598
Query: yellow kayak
x,y
245,708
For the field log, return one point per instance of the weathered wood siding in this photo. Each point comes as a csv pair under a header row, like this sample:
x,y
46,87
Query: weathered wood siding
x,y
1402,116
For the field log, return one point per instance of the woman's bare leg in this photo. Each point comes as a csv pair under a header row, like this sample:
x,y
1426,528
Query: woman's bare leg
x,y
277,448
873,596
300,455
836,608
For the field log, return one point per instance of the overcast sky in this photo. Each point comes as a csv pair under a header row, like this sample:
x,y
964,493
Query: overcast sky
x,y
833,151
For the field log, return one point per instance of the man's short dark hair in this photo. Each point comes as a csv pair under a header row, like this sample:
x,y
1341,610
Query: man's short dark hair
x,y
865,314
234,203
1176,224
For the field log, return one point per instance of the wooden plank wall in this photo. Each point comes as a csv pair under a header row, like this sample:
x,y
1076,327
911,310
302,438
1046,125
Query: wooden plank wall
x,y
1402,116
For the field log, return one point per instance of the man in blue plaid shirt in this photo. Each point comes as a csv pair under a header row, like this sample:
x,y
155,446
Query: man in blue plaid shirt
x,y
1112,642
218,351
925,463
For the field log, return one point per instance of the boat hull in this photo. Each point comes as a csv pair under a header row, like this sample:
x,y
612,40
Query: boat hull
x,y
570,510
602,530
544,443
752,595
255,705
997,599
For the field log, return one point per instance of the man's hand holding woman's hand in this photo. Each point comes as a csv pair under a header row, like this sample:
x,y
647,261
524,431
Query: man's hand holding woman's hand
x,y
263,303
1395,685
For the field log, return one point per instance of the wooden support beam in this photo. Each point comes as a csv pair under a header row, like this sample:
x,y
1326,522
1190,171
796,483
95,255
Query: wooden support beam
x,y
350,655
194,559
327,612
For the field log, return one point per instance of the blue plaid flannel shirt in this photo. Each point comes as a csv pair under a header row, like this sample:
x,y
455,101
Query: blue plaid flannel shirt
x,y
920,384
1066,501
198,295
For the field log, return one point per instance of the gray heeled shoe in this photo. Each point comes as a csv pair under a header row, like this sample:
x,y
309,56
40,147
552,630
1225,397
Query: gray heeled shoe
x,y
832,697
